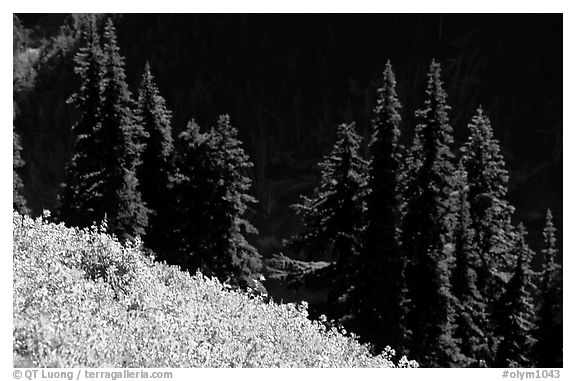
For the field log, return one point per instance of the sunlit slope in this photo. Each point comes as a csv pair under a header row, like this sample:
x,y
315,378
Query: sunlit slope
x,y
81,299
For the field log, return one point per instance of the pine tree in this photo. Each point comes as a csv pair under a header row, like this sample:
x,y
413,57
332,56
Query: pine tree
x,y
123,137
427,232
79,202
332,216
157,169
516,311
381,286
192,192
101,178
471,317
548,348
18,200
489,210
212,197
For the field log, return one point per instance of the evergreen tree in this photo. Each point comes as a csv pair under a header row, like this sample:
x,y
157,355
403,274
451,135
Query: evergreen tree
x,y
79,202
157,169
211,194
516,311
381,287
122,137
101,178
427,232
332,216
548,348
489,210
192,192
18,200
471,317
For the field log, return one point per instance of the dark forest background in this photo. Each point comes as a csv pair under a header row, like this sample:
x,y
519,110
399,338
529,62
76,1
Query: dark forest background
x,y
287,81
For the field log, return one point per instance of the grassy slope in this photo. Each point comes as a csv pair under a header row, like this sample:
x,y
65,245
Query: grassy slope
x,y
82,299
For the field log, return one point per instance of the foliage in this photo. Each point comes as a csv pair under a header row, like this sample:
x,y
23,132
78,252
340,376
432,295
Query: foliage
x,y
516,315
18,200
211,198
80,198
123,136
548,347
102,180
155,174
489,210
471,317
81,299
427,232
380,292
332,217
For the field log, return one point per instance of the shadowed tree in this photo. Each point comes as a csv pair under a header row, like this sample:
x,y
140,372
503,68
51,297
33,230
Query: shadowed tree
x,y
548,347
157,169
516,310
123,139
489,210
101,178
82,193
211,191
427,232
333,215
471,317
381,286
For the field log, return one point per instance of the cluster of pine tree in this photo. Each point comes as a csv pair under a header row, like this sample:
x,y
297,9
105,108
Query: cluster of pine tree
x,y
428,259
185,199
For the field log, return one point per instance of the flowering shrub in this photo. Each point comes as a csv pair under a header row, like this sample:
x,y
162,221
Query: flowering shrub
x,y
81,299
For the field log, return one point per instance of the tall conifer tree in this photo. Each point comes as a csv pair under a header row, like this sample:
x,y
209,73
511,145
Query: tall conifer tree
x,y
155,175
427,232
122,137
333,215
471,317
516,310
101,178
548,348
489,210
212,199
80,200
490,213
382,283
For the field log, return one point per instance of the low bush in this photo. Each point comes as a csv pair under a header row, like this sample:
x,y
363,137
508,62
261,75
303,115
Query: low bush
x,y
81,299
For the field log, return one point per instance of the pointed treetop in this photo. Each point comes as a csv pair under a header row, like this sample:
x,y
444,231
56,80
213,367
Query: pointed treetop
x,y
387,118
550,251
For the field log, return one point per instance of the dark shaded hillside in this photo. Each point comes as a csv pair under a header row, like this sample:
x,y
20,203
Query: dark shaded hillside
x,y
289,80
